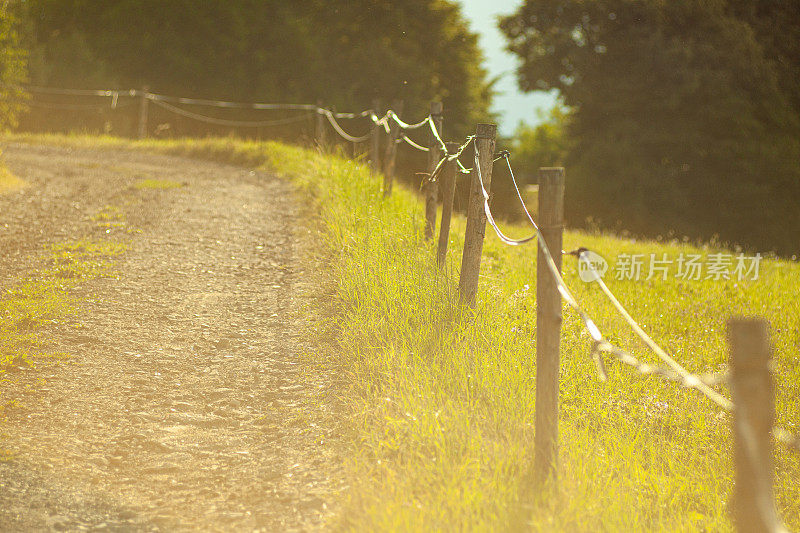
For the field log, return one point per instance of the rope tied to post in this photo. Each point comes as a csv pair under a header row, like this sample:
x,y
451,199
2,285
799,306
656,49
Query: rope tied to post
x,y
600,344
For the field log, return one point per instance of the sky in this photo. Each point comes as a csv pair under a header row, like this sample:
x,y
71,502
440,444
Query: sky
x,y
510,104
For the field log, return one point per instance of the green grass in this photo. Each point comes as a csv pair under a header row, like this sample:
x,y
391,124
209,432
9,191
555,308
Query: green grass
x,y
441,401
156,184
8,181
445,399
45,296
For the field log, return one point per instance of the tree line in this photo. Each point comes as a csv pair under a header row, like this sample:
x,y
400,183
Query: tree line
x,y
343,54
676,118
682,117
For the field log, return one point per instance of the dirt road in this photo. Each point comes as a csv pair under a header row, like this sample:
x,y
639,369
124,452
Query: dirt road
x,y
185,403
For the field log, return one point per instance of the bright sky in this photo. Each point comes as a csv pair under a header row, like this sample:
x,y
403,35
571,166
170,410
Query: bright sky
x,y
511,104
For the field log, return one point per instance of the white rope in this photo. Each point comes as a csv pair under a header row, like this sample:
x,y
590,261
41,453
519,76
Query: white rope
x,y
221,103
339,129
415,145
235,123
451,157
75,92
437,137
366,113
676,372
382,122
690,379
77,107
488,211
405,125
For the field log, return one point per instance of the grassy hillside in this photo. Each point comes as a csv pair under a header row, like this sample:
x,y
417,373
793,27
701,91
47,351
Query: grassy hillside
x,y
441,401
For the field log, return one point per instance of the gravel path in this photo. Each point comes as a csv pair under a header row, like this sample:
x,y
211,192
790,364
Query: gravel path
x,y
185,404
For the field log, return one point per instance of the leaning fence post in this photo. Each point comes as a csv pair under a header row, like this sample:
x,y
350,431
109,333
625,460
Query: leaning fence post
x,y
548,324
320,130
143,101
375,141
391,150
432,187
448,177
753,391
476,217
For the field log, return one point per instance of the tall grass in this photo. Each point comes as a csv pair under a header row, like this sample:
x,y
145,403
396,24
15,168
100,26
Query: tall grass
x,y
441,400
445,398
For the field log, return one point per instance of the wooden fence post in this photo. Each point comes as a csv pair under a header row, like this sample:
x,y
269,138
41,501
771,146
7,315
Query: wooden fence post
x,y
143,101
375,141
448,188
432,188
548,325
476,217
753,392
391,150
320,131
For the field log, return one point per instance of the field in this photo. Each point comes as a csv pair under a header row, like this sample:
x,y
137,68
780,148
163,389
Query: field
x,y
440,400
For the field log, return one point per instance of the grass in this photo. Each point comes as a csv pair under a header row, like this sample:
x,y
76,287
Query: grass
x,y
441,401
446,398
45,296
156,184
8,181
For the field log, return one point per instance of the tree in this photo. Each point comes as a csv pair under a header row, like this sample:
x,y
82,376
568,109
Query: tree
x,y
685,113
344,53
12,71
545,145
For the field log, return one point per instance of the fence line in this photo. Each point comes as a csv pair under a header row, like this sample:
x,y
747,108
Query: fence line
x,y
676,372
78,92
165,101
95,107
224,122
754,452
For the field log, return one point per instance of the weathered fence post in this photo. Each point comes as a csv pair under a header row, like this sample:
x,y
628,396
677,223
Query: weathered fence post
x,y
753,391
476,217
391,150
548,325
320,133
375,141
143,101
432,187
448,189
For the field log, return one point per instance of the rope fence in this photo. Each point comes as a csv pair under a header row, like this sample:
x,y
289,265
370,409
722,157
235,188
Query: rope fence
x,y
755,503
338,129
755,510
673,371
168,103
234,123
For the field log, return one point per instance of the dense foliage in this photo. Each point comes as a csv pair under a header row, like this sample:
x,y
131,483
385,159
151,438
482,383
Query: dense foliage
x,y
345,54
686,115
12,70
543,145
